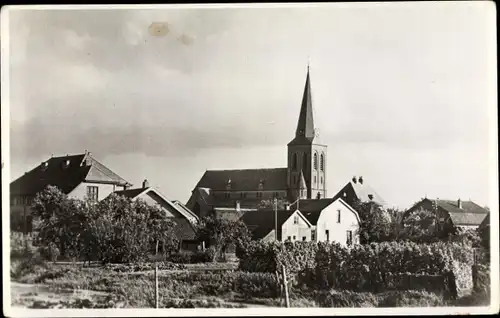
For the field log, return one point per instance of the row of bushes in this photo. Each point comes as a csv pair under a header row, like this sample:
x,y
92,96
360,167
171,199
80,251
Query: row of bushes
x,y
362,267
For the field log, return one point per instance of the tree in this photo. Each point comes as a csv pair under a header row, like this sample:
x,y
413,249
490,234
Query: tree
x,y
376,223
222,233
269,203
420,226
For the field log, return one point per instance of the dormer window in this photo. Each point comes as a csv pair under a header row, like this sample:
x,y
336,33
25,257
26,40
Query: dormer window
x,y
261,184
45,164
228,185
66,163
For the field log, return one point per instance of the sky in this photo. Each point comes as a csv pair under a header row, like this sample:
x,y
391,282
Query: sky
x,y
403,93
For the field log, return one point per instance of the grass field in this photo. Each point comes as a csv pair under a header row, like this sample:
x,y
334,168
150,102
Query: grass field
x,y
219,285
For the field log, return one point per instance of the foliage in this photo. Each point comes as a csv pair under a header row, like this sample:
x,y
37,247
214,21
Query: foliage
x,y
21,246
50,252
184,257
420,226
221,233
113,230
376,223
470,237
279,203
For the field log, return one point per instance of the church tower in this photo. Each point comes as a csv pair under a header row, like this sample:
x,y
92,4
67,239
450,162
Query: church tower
x,y
306,154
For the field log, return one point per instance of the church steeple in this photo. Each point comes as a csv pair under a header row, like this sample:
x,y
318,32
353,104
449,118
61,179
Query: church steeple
x,y
305,125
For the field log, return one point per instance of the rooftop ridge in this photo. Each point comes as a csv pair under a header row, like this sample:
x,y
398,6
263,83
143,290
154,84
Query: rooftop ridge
x,y
248,169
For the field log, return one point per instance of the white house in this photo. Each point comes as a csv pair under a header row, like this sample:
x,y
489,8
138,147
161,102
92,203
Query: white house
x,y
332,220
292,225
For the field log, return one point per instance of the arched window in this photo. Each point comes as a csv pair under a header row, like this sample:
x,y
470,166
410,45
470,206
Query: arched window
x,y
315,161
304,163
294,161
322,162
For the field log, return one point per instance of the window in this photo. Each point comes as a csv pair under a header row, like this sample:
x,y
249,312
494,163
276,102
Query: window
x,y
313,235
276,194
304,162
93,193
327,233
338,216
294,238
243,195
304,238
296,219
294,180
322,162
289,238
315,161
294,161
349,238
321,180
314,179
259,194
318,196
227,195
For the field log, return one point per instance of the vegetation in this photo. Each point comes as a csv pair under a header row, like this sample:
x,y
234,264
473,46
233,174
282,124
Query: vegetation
x,y
113,230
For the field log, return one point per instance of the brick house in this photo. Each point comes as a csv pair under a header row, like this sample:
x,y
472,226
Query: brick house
x,y
452,213
78,176
184,218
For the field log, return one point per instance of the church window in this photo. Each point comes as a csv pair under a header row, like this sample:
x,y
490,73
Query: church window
x,y
304,162
227,195
321,179
294,161
259,194
243,195
315,161
322,162
315,179
318,196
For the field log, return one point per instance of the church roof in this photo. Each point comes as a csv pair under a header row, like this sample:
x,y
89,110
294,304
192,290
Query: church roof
x,y
245,179
65,173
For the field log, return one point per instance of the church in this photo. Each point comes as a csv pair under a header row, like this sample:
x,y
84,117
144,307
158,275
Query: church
x,y
304,177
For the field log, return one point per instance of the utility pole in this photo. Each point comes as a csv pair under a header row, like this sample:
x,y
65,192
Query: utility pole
x,y
285,282
156,277
276,219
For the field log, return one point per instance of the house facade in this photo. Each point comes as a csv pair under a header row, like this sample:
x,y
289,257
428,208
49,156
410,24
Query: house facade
x,y
333,220
79,176
184,219
452,213
292,225
303,177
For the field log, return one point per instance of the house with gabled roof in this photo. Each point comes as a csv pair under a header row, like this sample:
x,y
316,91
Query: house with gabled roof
x,y
333,220
304,176
452,213
291,225
358,189
184,218
78,176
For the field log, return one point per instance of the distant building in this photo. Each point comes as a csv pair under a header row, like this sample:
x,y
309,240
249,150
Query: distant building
x,y
79,176
452,213
291,225
333,220
184,218
357,189
303,177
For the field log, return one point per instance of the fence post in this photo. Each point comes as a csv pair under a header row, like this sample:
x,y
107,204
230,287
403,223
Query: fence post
x,y
156,278
285,282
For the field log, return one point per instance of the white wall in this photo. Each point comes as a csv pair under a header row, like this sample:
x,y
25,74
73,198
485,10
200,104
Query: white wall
x,y
298,230
80,192
337,231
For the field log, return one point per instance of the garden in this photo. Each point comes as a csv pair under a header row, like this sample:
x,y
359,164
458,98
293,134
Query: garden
x,y
100,255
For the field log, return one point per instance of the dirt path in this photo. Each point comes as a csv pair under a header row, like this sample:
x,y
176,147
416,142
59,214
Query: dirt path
x,y
24,295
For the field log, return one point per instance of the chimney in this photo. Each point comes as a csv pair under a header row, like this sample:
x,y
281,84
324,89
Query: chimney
x,y
459,203
145,184
360,180
238,206
354,179
288,207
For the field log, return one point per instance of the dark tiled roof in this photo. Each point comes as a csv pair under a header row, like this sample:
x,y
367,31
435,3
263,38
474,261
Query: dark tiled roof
x,y
130,193
66,178
312,208
465,218
467,206
486,221
363,191
262,221
245,180
184,230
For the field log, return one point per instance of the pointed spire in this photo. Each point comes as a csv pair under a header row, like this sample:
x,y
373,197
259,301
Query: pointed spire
x,y
305,125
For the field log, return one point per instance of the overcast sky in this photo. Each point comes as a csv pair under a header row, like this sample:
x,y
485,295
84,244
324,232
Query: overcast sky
x,y
402,93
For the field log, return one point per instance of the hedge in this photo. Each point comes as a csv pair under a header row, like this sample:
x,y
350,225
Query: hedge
x,y
362,267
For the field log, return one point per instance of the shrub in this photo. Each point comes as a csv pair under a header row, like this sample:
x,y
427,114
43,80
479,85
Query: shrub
x,y
184,257
21,246
410,298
